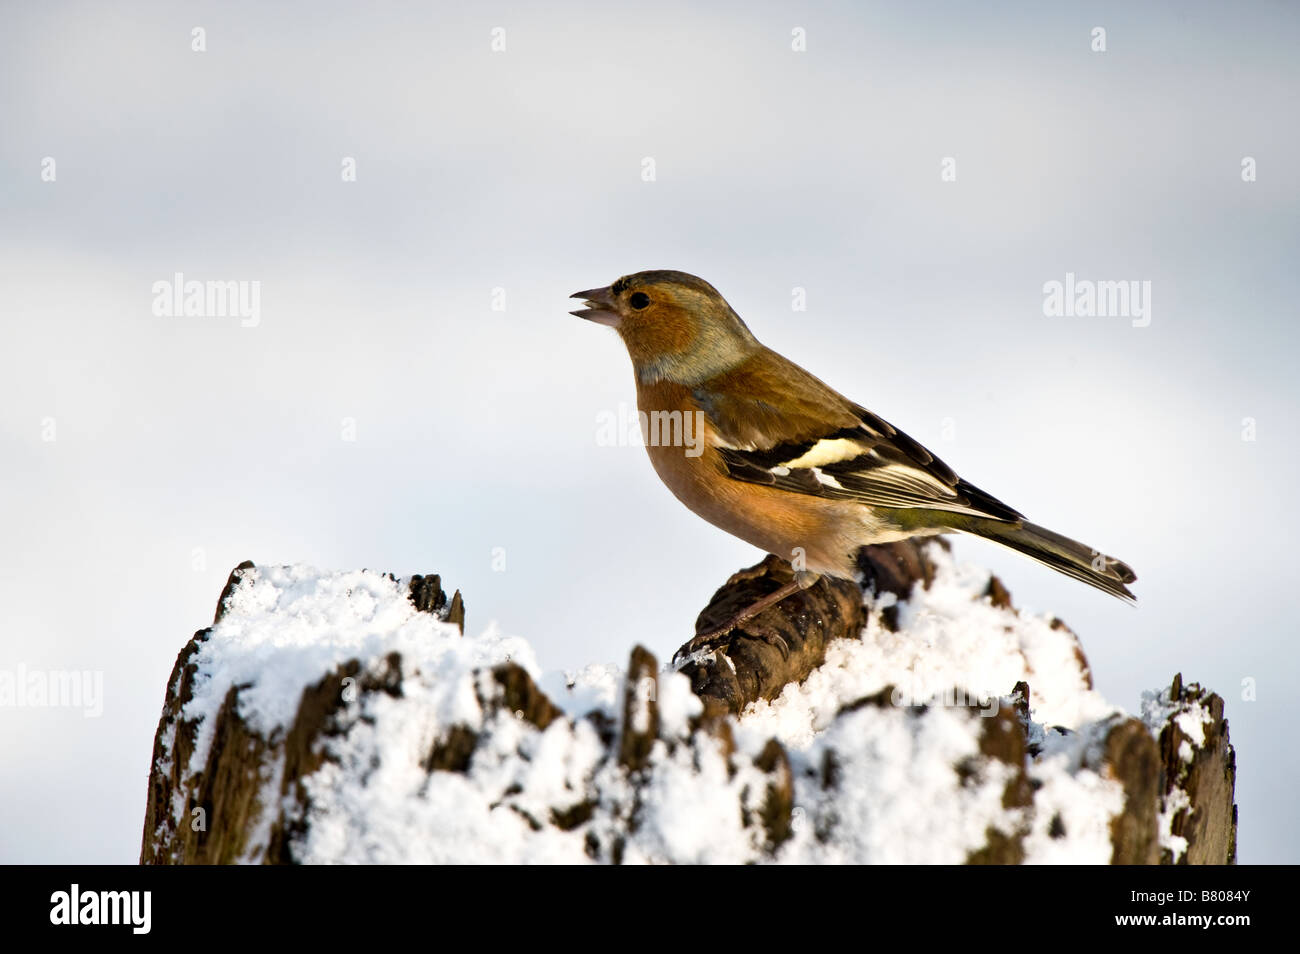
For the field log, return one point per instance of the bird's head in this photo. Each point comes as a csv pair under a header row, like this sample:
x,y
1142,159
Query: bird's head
x,y
676,326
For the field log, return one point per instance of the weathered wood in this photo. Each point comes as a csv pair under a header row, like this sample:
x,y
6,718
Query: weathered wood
x,y
1209,819
1004,738
640,709
786,642
427,596
1169,773
222,802
777,811
1131,758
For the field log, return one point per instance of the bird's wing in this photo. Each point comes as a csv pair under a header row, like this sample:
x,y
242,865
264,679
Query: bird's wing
x,y
822,444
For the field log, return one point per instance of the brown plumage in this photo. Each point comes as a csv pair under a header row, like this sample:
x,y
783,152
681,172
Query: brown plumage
x,y
787,463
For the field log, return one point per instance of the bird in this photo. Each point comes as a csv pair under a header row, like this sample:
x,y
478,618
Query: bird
x,y
762,449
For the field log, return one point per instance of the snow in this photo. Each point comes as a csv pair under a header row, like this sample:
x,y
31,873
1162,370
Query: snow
x,y
871,783
1177,801
677,704
949,636
1078,805
1191,717
1192,722
286,627
897,799
689,809
595,686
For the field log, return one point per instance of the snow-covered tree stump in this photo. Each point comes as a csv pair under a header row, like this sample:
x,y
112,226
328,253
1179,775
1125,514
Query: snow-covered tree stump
x,y
344,717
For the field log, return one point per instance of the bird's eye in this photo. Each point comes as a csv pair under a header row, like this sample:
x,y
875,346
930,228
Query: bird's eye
x,y
639,300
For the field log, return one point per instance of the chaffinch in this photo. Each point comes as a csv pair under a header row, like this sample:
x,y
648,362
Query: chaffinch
x,y
762,449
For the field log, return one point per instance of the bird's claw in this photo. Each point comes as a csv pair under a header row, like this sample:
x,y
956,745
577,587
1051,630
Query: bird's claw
x,y
712,640
770,636
717,640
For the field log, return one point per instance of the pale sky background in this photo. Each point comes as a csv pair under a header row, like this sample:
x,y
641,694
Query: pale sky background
x,y
476,429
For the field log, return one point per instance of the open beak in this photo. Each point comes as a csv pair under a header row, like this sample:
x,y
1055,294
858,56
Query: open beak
x,y
600,307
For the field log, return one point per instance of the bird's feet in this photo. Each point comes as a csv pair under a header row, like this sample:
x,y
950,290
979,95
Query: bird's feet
x,y
719,639
715,639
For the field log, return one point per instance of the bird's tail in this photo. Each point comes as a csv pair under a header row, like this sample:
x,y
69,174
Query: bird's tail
x,y
1060,553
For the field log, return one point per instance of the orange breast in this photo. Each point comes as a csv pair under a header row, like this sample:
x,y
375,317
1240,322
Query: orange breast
x,y
824,533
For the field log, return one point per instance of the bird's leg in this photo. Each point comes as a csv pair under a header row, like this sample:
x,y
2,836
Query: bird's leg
x,y
711,639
